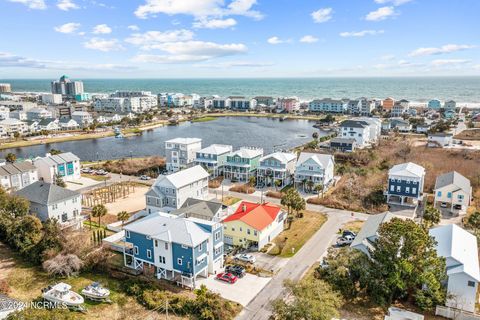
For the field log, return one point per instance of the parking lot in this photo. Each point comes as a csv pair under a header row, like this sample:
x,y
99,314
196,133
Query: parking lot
x,y
242,291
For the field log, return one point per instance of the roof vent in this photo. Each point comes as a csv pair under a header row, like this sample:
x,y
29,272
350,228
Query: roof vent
x,y
244,207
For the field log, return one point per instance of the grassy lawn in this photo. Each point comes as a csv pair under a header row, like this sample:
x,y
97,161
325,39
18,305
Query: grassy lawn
x,y
228,201
95,177
354,226
300,231
204,119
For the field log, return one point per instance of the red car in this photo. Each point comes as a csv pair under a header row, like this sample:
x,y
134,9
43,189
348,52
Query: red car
x,y
227,277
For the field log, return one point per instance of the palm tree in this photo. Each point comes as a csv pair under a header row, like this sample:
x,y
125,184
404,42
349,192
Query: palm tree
x,y
319,188
310,185
98,211
11,157
278,183
123,216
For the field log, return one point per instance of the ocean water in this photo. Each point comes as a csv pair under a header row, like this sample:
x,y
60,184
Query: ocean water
x,y
420,89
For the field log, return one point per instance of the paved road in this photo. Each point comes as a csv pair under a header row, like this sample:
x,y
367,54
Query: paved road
x,y
311,252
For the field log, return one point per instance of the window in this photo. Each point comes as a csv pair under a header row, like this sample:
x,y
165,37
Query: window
x,y
135,250
200,247
218,250
449,195
255,232
148,237
179,261
241,229
399,188
460,196
161,259
471,283
156,243
407,189
392,187
248,231
217,235
439,193
166,246
414,190
184,246
233,229
149,253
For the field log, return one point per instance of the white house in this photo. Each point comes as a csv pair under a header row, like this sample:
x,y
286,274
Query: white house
x,y
10,126
66,165
453,191
49,201
49,124
169,192
83,118
51,98
369,232
181,152
276,166
459,248
15,176
358,130
440,139
315,167
67,124
375,127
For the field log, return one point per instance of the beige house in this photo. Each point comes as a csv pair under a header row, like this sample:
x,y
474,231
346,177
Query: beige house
x,y
453,192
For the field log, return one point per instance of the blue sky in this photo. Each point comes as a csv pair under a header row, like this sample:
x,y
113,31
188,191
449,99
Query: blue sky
x,y
238,38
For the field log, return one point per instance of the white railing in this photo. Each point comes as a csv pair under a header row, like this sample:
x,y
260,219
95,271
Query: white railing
x,y
456,314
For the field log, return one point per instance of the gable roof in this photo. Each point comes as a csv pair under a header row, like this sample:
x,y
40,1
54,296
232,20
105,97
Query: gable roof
x,y
247,153
184,177
184,140
319,158
354,124
283,157
454,178
460,245
197,208
407,169
256,215
15,168
370,228
169,228
46,193
216,149
46,121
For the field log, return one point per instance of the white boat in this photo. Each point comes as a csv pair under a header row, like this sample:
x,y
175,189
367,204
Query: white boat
x,y
95,291
61,293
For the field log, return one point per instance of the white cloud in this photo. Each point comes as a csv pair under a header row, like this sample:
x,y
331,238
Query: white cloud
x,y
449,62
448,48
361,33
11,60
275,40
67,5
387,57
192,51
309,39
32,4
322,15
153,39
133,27
214,23
104,45
394,2
70,27
198,8
381,14
102,29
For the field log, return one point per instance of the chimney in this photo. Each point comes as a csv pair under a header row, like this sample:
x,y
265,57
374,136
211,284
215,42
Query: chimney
x,y
244,207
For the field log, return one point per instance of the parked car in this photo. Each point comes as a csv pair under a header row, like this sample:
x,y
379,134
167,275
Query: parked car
x,y
102,172
443,204
457,207
236,270
87,170
345,241
348,233
144,177
226,277
245,257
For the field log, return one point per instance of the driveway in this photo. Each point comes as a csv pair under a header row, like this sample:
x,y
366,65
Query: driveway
x,y
268,262
243,291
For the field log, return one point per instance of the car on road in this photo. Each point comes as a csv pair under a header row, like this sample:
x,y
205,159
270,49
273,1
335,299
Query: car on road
x,y
348,233
236,270
227,277
86,170
144,177
443,204
245,257
345,241
101,172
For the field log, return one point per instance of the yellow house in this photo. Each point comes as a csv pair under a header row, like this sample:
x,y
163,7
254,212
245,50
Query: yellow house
x,y
253,224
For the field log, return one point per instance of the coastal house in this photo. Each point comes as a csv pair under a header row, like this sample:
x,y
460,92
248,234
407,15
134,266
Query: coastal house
x,y
366,106
400,125
219,103
49,201
440,139
4,113
65,165
449,114
11,126
327,105
181,153
400,108
15,176
459,248
83,118
434,104
48,124
375,127
242,164
68,124
38,114
32,126
453,191
253,225
450,105
266,101
288,104
358,130
405,184
240,103
369,232
172,248
213,158
343,144
278,166
422,128
388,103
315,169
169,192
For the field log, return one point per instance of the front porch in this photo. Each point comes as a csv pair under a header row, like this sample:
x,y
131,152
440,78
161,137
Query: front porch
x,y
403,200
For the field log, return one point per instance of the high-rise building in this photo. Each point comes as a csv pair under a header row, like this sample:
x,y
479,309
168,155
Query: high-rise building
x,y
67,87
5,87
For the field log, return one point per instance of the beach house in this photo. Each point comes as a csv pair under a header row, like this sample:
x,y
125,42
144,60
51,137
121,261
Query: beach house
x,y
405,184
369,232
278,166
453,192
181,153
242,164
313,169
213,158
64,165
15,176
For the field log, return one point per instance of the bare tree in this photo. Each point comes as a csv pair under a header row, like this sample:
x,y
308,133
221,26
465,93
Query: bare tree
x,y
64,265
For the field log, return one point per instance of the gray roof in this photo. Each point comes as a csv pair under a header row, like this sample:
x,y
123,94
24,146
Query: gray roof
x,y
197,208
46,121
322,159
15,168
369,230
354,124
342,140
46,193
169,228
454,178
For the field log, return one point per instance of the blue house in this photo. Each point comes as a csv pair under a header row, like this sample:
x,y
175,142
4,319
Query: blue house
x,y
173,247
405,184
434,104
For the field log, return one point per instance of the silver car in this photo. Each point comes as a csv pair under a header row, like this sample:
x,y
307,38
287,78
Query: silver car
x,y
245,257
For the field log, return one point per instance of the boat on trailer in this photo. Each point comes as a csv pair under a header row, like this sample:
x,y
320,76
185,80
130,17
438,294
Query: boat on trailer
x,y
96,292
61,294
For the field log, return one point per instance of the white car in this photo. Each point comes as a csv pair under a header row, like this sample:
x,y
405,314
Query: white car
x,y
245,257
144,177
443,204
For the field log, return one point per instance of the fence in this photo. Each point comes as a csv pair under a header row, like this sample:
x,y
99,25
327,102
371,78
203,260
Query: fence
x,y
456,314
